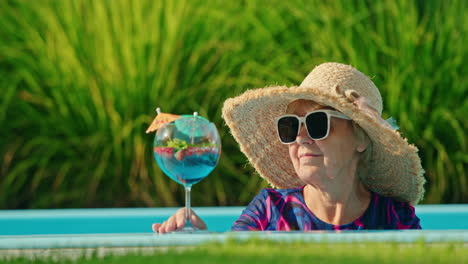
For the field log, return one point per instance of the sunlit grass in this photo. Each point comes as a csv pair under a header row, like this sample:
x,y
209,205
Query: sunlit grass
x,y
81,80
277,252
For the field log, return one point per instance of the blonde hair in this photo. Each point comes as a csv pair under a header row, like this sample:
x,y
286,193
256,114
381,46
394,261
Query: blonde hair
x,y
359,133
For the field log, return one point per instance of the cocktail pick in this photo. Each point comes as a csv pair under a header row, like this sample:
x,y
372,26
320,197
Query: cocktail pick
x,y
160,120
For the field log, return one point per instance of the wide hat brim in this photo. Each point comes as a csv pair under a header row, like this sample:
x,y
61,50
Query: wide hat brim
x,y
395,167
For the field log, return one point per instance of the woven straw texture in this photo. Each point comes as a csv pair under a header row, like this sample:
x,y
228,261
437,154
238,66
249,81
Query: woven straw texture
x,y
395,168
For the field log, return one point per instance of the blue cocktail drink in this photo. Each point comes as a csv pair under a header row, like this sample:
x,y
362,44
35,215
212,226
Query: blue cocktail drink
x,y
187,166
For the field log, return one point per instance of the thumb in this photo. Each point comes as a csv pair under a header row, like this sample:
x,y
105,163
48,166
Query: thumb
x,y
197,221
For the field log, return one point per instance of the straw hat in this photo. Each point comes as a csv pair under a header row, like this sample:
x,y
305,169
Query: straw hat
x,y
395,168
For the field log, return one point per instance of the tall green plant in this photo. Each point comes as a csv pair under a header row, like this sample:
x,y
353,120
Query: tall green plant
x,y
95,72
82,79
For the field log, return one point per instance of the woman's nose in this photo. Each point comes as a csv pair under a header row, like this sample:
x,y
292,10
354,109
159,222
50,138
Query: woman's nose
x,y
303,136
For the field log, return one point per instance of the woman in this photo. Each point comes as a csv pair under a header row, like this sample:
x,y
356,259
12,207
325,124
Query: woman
x,y
347,167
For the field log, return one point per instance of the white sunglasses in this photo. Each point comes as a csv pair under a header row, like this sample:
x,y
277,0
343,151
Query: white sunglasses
x,y
317,124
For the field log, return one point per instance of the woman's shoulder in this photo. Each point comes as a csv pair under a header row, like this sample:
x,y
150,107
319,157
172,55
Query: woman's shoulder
x,y
391,203
400,213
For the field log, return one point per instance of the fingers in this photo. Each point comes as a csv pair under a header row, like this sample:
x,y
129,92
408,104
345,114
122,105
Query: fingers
x,y
177,221
174,222
161,228
155,227
167,226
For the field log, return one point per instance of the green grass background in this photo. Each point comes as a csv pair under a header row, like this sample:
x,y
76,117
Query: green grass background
x,y
80,80
280,252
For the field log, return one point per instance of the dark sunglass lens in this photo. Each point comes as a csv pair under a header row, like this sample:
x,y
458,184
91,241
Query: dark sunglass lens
x,y
317,125
287,129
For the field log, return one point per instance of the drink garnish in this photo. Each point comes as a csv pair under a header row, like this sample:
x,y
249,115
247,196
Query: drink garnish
x,y
160,120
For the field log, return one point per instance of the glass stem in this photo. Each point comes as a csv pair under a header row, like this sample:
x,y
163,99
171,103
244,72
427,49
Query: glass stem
x,y
188,222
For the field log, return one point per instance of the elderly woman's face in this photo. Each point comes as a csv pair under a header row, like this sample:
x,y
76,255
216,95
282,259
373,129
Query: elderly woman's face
x,y
316,161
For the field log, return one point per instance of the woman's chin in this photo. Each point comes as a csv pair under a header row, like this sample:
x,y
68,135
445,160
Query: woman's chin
x,y
311,174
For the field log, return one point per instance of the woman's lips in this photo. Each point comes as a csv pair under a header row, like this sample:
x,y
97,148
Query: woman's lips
x,y
309,155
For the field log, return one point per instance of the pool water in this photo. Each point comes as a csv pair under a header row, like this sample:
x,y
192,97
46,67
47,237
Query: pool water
x,y
129,227
139,220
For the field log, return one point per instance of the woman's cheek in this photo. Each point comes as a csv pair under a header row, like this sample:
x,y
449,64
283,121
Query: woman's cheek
x,y
293,155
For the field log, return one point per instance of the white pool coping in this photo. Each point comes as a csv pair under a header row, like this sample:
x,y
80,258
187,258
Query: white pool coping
x,y
173,239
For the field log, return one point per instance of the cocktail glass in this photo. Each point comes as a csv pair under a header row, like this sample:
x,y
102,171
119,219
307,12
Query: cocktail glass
x,y
187,150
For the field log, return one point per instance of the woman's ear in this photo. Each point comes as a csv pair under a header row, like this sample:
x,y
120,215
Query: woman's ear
x,y
362,140
363,143
362,146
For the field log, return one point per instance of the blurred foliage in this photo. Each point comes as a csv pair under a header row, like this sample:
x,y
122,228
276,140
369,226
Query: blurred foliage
x,y
80,81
